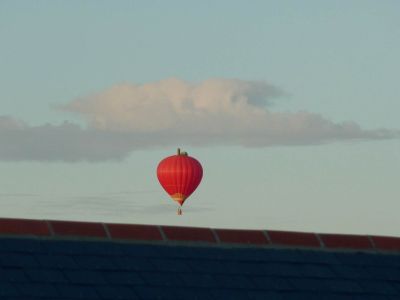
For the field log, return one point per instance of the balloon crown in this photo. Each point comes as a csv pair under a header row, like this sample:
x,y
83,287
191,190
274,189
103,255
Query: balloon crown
x,y
179,152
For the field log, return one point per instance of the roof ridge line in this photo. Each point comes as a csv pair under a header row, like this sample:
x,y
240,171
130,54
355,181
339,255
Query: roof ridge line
x,y
177,234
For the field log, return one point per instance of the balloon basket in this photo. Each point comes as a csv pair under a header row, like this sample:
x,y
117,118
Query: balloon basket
x,y
179,212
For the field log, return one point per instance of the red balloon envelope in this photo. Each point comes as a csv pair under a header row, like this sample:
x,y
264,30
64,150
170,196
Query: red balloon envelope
x,y
179,175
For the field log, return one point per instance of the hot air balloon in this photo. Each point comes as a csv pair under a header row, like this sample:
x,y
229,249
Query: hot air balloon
x,y
179,175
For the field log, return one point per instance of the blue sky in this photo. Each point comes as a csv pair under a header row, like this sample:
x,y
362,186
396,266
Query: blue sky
x,y
338,61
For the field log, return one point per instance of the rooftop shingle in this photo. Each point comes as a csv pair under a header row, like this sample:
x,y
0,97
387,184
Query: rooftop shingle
x,y
54,267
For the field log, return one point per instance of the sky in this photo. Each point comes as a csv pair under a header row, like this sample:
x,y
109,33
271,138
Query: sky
x,y
291,107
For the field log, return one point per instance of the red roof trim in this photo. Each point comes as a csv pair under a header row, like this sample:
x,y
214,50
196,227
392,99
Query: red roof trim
x,y
24,227
67,228
254,237
386,242
288,238
346,241
192,234
134,232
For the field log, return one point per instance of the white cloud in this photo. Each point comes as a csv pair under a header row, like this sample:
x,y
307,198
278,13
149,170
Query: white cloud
x,y
228,111
126,117
65,142
174,105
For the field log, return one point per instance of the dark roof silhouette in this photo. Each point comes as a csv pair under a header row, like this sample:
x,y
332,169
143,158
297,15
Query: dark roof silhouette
x,y
77,260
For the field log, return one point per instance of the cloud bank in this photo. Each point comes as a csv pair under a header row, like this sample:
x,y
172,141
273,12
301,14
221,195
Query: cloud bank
x,y
127,117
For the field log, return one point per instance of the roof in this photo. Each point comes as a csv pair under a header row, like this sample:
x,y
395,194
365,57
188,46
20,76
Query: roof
x,y
77,260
